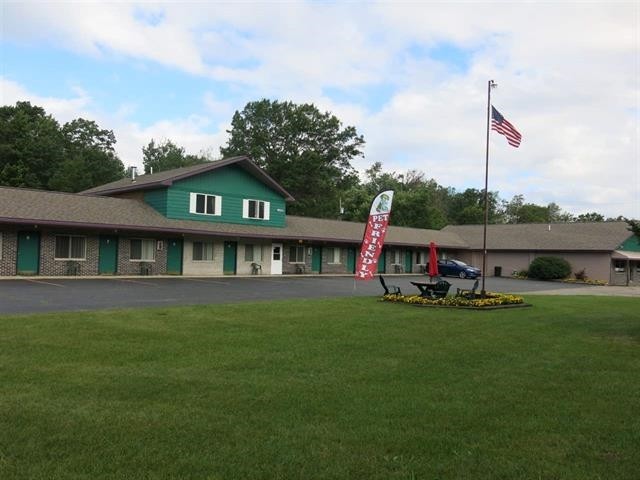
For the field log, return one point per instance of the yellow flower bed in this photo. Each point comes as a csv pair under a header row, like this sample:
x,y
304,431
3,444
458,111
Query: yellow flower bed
x,y
491,300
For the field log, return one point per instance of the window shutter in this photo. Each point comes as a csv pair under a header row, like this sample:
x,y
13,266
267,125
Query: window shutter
x,y
192,203
218,205
267,210
245,208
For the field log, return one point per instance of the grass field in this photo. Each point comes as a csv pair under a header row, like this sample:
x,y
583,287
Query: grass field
x,y
324,389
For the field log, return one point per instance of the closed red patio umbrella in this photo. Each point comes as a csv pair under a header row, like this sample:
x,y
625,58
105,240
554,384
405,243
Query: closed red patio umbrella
x,y
433,260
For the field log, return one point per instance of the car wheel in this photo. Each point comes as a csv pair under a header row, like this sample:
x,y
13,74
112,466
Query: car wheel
x,y
462,274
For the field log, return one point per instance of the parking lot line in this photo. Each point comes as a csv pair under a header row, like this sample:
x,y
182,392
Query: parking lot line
x,y
135,281
44,283
205,281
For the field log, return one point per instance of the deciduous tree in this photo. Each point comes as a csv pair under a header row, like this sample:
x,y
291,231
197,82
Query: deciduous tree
x,y
167,155
307,151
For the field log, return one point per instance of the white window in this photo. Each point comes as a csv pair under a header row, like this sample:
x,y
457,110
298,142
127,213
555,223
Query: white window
x,y
333,255
255,209
202,251
142,250
296,255
205,204
70,247
397,257
252,253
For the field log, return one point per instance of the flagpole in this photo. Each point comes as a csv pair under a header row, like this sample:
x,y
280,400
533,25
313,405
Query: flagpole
x,y
491,84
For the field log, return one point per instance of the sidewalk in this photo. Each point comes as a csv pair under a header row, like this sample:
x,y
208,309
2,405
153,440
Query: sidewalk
x,y
610,291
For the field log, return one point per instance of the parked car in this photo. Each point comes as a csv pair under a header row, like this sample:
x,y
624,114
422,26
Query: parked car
x,y
458,269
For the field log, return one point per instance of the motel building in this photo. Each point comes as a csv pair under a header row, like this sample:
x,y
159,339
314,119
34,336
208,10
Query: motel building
x,y
228,217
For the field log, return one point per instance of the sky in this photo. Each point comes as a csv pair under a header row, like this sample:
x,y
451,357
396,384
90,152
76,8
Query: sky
x,y
410,76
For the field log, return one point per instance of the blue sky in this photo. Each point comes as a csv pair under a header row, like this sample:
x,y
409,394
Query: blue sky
x,y
410,76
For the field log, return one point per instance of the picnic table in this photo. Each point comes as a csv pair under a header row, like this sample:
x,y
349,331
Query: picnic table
x,y
425,288
433,290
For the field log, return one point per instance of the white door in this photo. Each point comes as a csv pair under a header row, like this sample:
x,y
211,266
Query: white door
x,y
276,259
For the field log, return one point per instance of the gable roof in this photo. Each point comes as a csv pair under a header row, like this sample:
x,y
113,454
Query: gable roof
x,y
597,236
167,177
21,206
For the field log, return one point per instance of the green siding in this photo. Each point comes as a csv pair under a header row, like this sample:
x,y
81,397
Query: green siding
x,y
158,200
631,244
231,183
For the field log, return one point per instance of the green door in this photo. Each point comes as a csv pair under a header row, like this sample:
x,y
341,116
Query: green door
x,y
382,260
351,260
316,260
408,256
108,255
174,256
28,261
229,261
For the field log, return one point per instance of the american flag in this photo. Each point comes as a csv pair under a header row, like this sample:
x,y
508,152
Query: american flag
x,y
502,126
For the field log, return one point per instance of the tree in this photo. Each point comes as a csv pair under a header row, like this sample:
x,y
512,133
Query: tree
x,y
634,226
590,217
31,146
36,152
467,207
417,202
307,151
90,158
166,156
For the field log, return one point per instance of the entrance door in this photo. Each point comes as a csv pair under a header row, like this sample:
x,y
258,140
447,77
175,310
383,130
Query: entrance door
x,y
28,261
174,257
316,260
382,260
351,260
230,255
408,256
108,255
276,259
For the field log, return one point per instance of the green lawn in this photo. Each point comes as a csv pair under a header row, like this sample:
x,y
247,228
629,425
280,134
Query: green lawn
x,y
340,389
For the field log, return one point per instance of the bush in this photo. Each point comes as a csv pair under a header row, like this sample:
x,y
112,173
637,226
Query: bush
x,y
549,268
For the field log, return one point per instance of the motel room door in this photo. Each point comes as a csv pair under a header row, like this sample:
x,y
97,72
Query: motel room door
x,y
276,259
28,261
229,261
108,255
174,256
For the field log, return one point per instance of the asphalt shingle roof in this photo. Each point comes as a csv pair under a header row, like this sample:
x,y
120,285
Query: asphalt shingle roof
x,y
599,236
36,207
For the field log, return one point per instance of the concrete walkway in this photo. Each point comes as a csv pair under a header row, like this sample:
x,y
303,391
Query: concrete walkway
x,y
609,291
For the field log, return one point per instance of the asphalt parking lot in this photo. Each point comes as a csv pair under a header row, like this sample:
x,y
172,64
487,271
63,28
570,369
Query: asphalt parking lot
x,y
40,294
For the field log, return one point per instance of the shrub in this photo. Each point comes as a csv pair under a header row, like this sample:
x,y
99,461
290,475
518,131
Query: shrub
x,y
549,268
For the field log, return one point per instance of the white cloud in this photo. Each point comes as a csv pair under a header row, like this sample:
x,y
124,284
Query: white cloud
x,y
195,133
62,109
568,79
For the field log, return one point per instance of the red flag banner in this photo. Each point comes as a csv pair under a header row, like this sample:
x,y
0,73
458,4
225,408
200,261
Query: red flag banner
x,y
504,127
374,234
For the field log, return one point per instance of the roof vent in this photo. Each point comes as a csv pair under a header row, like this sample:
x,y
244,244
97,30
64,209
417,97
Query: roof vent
x,y
134,173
